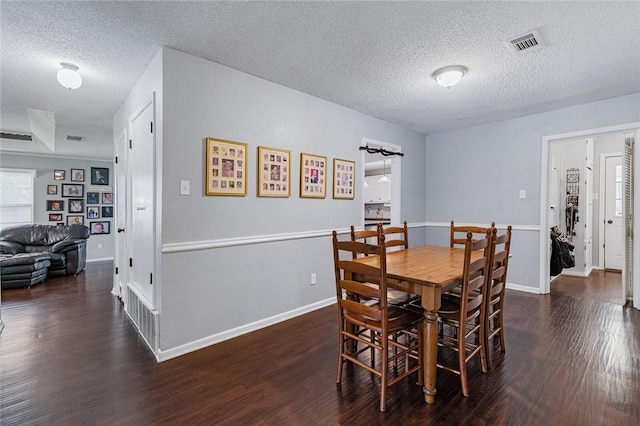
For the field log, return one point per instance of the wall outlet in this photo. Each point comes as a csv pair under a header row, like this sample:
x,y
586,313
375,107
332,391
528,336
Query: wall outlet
x,y
99,246
523,193
313,279
185,187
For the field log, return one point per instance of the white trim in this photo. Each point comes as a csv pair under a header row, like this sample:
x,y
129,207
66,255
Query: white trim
x,y
164,355
544,188
533,228
57,157
601,203
99,259
568,273
524,288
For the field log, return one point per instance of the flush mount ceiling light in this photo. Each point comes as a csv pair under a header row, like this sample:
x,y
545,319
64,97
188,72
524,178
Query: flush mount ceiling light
x,y
449,76
384,177
69,77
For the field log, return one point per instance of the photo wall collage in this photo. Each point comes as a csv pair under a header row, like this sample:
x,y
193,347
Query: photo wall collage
x,y
67,204
226,172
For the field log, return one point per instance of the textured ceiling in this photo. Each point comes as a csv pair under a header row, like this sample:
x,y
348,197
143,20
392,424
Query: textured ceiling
x,y
374,57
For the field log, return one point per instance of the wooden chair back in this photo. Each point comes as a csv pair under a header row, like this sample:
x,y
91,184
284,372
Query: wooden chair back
x,y
400,236
475,276
458,234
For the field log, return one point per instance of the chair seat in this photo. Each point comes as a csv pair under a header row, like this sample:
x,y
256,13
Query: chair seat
x,y
397,319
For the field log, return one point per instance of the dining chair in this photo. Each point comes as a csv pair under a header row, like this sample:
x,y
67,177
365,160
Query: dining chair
x,y
458,233
462,318
494,309
366,235
379,328
400,236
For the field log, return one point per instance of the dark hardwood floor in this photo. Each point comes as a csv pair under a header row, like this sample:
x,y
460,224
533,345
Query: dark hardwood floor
x,y
69,356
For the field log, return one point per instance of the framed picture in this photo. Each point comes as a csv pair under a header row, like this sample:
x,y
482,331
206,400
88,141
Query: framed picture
x,y
107,211
55,205
60,224
77,175
93,198
313,176
76,205
72,190
226,167
100,227
344,179
52,189
93,212
58,175
107,198
75,220
274,172
99,176
55,217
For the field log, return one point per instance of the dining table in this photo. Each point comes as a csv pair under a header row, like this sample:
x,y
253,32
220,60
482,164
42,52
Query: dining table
x,y
427,271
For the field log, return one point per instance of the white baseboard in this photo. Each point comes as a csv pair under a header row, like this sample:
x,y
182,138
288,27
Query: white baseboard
x,y
525,288
99,259
575,274
164,355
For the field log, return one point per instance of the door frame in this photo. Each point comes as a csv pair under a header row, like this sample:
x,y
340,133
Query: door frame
x,y
120,259
544,270
602,203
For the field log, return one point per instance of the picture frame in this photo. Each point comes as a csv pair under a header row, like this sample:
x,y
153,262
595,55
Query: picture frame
x,y
75,220
58,174
60,224
55,205
102,227
274,172
77,175
52,189
226,167
107,198
107,211
313,176
76,205
344,179
93,198
93,212
72,189
99,176
55,217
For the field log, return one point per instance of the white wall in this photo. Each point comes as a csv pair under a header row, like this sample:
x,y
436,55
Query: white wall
x,y
233,263
44,166
475,174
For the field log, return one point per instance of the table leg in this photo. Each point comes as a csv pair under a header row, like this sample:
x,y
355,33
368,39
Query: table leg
x,y
431,304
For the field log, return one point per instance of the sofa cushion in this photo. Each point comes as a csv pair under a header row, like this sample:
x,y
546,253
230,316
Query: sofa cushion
x,y
43,235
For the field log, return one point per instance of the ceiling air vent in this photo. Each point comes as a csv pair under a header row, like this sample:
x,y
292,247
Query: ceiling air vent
x,y
16,136
529,42
74,138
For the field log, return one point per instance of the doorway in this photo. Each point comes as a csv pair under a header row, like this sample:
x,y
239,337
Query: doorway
x,y
389,165
612,223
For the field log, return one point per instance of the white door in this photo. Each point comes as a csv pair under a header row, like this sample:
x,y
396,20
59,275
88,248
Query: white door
x,y
140,232
613,226
120,262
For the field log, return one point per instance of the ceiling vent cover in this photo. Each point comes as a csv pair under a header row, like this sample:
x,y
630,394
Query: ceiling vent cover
x,y
529,42
16,137
75,138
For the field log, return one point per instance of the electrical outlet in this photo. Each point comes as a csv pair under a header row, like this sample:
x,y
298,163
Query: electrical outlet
x,y
185,187
313,279
523,193
99,246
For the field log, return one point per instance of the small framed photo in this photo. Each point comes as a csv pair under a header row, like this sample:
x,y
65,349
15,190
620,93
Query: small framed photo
x,y
77,175
55,205
226,168
93,212
52,189
93,198
60,224
344,179
313,176
58,174
274,172
107,211
99,176
76,205
75,220
72,190
100,227
107,198
55,217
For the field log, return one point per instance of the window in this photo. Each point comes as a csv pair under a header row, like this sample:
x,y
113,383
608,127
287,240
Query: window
x,y
16,196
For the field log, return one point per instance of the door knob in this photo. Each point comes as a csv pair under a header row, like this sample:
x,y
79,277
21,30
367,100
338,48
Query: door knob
x,y
609,221
120,229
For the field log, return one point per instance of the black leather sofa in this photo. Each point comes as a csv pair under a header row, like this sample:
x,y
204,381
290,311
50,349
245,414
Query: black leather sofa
x,y
32,249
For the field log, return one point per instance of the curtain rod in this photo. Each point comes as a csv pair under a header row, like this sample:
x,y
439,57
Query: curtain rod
x,y
380,151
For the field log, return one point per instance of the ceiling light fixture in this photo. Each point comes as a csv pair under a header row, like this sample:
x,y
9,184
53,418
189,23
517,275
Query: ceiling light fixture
x,y
384,178
449,76
69,77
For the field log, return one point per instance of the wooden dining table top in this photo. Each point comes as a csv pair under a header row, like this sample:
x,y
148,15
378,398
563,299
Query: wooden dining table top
x,y
435,266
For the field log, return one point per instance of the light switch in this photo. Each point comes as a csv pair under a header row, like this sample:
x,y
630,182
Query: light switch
x,y
523,193
185,187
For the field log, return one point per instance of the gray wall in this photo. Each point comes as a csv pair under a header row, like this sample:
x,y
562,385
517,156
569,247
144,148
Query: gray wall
x,y
210,291
475,174
44,167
